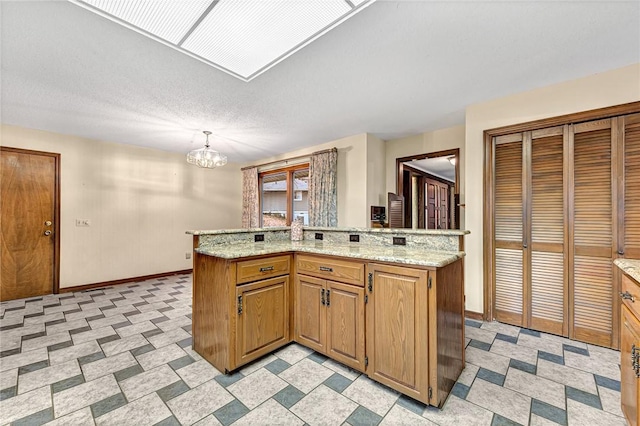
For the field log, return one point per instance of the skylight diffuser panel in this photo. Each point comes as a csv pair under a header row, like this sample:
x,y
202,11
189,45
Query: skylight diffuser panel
x,y
167,19
246,36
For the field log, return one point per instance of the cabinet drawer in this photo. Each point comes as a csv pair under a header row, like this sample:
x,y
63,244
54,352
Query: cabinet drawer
x,y
257,269
631,292
346,271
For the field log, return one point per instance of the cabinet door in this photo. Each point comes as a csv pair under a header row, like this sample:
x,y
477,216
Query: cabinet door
x,y
397,330
262,318
345,324
629,338
310,313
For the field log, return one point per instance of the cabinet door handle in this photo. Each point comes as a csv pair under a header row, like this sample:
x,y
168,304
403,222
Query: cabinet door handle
x,y
328,299
628,296
266,269
322,297
326,269
635,363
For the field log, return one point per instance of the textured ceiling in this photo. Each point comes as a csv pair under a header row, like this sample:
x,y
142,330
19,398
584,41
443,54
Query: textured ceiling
x,y
396,68
438,166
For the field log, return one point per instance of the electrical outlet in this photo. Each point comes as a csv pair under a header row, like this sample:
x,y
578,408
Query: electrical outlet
x,y
187,255
258,238
83,222
399,241
319,235
354,238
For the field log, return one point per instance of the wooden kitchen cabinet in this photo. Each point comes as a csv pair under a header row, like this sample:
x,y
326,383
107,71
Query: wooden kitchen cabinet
x,y
236,321
263,318
310,313
329,315
415,331
630,351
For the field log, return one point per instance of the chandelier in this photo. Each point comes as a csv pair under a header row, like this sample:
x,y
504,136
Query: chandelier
x,y
206,157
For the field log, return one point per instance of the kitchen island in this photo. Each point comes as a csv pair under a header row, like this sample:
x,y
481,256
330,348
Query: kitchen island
x,y
388,303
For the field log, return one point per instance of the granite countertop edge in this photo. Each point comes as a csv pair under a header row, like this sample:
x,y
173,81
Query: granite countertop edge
x,y
403,255
630,267
407,231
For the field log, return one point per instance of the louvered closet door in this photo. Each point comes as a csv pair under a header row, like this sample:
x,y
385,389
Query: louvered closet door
x,y
508,226
593,240
548,287
630,241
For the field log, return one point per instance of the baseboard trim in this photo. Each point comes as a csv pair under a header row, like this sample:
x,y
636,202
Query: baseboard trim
x,y
474,315
123,281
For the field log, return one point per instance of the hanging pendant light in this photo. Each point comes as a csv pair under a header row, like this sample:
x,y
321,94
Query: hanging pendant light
x,y
206,157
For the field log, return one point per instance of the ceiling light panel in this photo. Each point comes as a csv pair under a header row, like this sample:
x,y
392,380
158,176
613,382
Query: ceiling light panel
x,y
248,36
169,20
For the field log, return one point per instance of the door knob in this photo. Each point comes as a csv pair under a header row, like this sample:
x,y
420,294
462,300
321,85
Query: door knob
x,y
47,233
47,223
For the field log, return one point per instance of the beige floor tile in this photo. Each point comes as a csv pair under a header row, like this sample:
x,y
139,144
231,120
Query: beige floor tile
x,y
399,416
256,388
324,406
372,395
458,412
197,403
271,410
306,375
505,402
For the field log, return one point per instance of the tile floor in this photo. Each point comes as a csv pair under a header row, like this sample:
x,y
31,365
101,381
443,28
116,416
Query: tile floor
x,y
122,356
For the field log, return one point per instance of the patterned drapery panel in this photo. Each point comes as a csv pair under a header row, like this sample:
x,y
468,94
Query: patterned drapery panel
x,y
323,188
250,202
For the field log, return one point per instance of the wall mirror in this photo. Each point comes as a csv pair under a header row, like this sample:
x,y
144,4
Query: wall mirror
x,y
429,187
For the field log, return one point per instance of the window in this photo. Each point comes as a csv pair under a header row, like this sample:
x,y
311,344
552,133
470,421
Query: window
x,y
284,196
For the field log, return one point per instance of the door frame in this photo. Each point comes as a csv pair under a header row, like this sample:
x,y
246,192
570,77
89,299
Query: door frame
x,y
400,168
56,209
488,210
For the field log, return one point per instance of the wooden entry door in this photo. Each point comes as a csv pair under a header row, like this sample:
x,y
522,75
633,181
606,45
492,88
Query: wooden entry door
x,y
29,223
436,204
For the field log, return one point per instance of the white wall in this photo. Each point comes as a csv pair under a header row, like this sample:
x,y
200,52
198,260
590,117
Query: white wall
x,y
438,140
597,91
140,203
376,173
352,176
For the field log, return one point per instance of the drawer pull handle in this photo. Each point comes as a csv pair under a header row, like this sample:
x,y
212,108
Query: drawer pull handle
x,y
326,269
628,296
266,269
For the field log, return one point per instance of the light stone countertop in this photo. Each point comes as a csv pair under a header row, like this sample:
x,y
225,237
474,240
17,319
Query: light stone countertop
x,y
407,231
408,255
630,267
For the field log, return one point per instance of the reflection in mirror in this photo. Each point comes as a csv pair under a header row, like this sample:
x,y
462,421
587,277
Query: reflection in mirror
x,y
429,186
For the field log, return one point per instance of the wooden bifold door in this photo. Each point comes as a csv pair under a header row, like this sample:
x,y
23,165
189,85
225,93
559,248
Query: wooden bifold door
x,y
564,202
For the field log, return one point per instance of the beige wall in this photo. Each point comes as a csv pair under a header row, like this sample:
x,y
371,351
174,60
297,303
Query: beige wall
x,y
140,203
438,140
376,173
352,176
600,90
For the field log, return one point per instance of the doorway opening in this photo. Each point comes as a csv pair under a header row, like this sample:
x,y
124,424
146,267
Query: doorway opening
x,y
429,184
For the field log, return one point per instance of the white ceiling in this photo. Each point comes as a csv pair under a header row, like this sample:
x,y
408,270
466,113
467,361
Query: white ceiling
x,y
438,166
397,68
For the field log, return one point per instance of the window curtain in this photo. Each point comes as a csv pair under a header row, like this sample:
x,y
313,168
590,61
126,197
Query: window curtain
x,y
250,202
323,188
